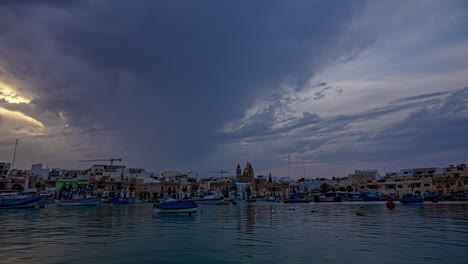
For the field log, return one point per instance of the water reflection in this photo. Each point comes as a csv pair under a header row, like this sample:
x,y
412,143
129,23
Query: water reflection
x,y
247,232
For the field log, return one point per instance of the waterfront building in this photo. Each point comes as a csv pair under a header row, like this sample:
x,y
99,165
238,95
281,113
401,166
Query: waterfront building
x,y
362,180
453,179
4,169
36,169
113,173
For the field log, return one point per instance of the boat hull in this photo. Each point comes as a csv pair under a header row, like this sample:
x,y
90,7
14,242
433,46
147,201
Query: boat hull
x,y
296,201
80,202
327,199
208,201
188,206
371,199
412,200
26,203
174,211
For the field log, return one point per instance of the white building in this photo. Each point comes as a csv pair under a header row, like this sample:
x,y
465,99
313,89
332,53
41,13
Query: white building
x,y
4,168
37,170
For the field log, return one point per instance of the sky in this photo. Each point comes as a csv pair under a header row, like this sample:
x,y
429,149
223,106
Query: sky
x,y
204,85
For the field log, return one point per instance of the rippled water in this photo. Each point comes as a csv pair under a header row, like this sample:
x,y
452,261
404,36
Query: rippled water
x,y
244,233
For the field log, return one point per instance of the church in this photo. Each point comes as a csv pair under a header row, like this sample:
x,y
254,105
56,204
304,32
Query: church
x,y
246,175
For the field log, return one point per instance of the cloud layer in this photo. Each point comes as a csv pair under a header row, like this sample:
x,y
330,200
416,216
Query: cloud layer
x,y
205,85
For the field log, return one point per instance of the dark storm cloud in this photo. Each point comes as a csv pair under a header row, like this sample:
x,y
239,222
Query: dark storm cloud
x,y
166,76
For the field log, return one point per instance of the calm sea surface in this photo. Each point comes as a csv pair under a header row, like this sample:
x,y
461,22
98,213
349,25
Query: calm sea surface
x,y
260,232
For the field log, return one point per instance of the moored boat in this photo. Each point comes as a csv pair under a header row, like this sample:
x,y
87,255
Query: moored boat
x,y
187,206
208,198
294,199
327,198
79,198
411,199
8,201
371,198
118,200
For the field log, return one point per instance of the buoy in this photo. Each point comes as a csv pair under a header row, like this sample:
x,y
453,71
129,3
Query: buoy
x,y
435,200
390,205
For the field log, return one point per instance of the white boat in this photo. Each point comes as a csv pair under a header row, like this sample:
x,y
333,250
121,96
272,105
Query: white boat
x,y
79,198
209,198
187,206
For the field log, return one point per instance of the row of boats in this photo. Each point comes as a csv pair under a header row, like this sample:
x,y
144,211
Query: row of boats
x,y
86,198
74,198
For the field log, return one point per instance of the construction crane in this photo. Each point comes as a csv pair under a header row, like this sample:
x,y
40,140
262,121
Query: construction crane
x,y
111,160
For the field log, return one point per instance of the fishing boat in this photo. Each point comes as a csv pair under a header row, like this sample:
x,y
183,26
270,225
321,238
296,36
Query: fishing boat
x,y
295,199
327,198
118,200
371,198
187,206
411,199
354,198
251,200
15,200
208,198
79,198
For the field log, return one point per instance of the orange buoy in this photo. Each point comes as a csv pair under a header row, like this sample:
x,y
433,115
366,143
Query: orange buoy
x,y
390,205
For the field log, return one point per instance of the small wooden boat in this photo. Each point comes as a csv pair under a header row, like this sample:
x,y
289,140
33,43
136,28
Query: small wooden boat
x,y
297,201
187,206
371,198
117,200
208,198
322,199
251,200
79,198
412,199
7,202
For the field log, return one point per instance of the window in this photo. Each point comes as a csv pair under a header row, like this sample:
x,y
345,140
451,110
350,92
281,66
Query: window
x,y
400,186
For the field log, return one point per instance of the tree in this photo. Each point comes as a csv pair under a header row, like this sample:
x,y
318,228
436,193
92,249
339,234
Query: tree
x,y
324,187
248,191
269,178
349,188
38,186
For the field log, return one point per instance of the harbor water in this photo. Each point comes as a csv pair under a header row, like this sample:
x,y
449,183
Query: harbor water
x,y
261,232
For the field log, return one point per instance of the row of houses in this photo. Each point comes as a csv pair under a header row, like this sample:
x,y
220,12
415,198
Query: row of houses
x,y
113,180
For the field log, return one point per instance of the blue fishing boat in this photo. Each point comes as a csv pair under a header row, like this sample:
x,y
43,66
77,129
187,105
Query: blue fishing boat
x,y
412,199
295,199
371,198
118,200
79,198
187,206
8,201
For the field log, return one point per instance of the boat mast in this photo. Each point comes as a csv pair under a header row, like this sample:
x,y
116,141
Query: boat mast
x,y
303,164
288,165
14,155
